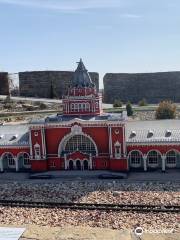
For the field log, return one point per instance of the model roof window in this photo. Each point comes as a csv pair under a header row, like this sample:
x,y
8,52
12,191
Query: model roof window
x,y
150,134
14,137
133,134
1,137
168,133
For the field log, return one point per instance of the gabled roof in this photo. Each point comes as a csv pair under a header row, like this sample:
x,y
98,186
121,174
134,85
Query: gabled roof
x,y
14,135
153,131
81,77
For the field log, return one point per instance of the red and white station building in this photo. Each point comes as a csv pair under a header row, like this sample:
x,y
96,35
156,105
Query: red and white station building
x,y
85,138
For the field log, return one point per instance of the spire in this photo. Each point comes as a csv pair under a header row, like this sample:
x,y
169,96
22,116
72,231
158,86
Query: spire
x,y
81,76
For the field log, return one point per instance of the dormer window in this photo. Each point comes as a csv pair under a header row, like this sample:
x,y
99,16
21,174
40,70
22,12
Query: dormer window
x,y
37,151
168,133
14,137
1,137
133,134
150,134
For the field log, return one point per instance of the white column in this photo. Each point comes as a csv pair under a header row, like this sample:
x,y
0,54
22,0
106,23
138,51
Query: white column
x,y
1,165
110,142
82,165
90,161
163,163
65,162
145,162
17,164
74,164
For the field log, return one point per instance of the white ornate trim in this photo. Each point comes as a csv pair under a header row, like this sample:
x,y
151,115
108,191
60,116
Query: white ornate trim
x,y
76,129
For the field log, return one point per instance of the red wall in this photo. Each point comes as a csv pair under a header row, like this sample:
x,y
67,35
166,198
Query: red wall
x,y
100,136
14,151
39,165
118,164
54,137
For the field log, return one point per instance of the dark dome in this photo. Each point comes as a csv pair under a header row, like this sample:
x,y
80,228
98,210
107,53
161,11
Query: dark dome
x,y
81,77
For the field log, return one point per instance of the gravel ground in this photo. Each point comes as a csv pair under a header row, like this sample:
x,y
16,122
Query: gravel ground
x,y
120,220
94,192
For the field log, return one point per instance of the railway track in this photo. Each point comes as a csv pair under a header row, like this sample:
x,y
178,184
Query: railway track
x,y
93,206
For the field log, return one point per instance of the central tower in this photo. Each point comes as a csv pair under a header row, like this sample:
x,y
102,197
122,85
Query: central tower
x,y
82,98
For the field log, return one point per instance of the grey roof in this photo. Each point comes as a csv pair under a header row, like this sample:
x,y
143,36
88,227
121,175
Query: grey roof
x,y
103,117
153,131
14,135
81,77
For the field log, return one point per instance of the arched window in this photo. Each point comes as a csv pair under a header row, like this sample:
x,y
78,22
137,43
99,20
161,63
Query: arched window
x,y
87,106
10,159
153,158
80,143
84,107
26,160
76,107
72,107
135,159
171,158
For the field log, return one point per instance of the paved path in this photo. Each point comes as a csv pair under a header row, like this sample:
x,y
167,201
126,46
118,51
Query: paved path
x,y
170,175
86,233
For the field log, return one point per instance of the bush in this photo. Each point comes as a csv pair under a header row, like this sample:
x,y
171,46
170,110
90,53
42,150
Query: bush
x,y
117,103
142,102
129,109
42,106
166,110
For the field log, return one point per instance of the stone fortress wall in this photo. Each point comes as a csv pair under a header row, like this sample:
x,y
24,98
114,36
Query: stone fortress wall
x,y
154,87
43,83
4,83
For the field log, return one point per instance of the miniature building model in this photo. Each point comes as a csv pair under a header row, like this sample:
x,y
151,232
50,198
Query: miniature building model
x,y
85,138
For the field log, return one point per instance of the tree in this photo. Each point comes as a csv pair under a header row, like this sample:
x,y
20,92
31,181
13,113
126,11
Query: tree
x,y
117,103
53,93
166,110
142,102
129,109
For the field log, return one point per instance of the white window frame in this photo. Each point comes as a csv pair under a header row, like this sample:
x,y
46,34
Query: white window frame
x,y
25,160
37,151
153,162
10,160
171,159
135,159
117,147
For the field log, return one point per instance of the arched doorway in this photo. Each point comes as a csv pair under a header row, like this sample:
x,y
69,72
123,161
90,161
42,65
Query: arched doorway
x,y
85,165
71,165
78,165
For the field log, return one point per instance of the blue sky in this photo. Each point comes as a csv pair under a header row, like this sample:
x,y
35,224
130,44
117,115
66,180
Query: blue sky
x,y
110,35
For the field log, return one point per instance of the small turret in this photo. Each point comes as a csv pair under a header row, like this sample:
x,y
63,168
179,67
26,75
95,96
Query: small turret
x,y
82,98
81,77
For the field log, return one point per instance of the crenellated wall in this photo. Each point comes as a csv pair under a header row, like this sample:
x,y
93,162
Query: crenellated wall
x,y
154,87
44,84
4,84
